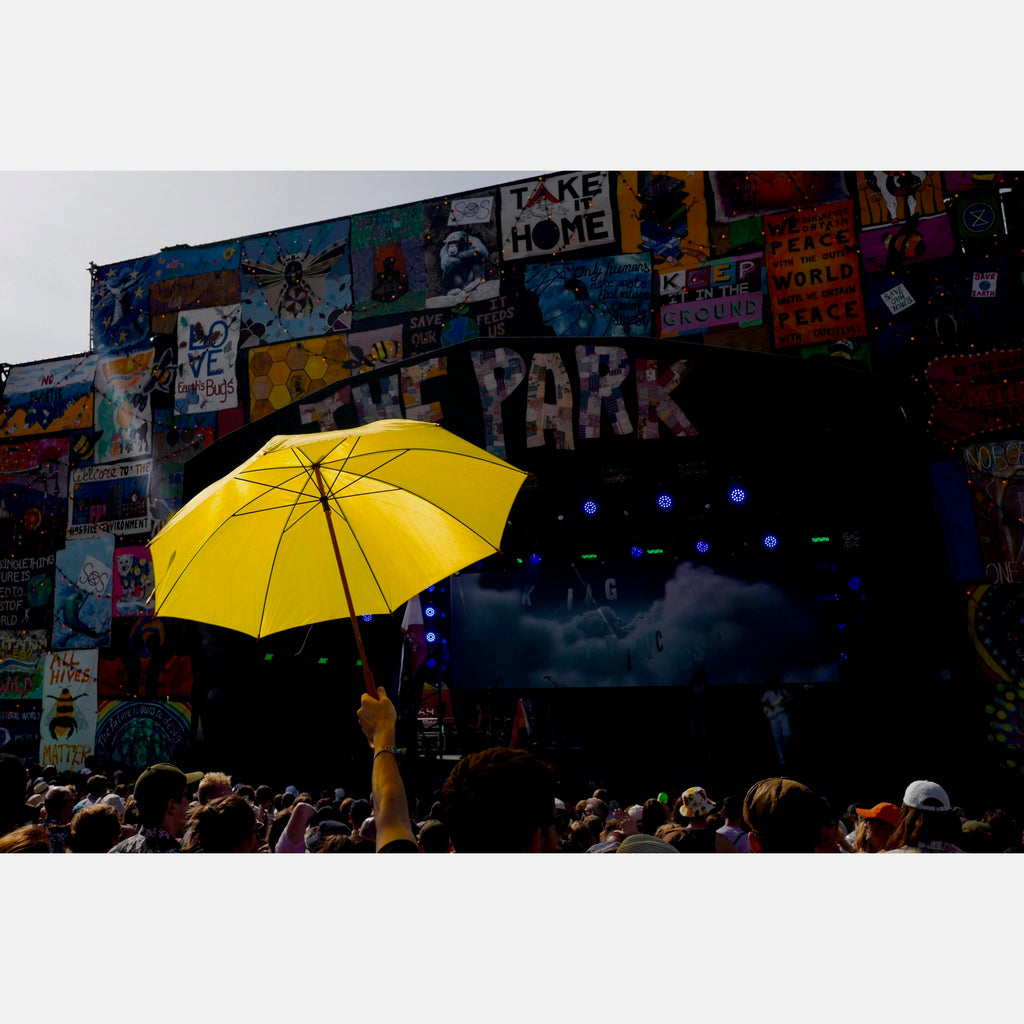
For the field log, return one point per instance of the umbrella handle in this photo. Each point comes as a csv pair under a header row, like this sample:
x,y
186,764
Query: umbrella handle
x,y
371,687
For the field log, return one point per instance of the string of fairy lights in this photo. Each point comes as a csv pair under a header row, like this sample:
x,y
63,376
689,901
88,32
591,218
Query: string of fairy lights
x,y
620,193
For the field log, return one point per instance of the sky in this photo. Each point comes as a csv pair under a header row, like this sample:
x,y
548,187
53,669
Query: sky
x,y
55,223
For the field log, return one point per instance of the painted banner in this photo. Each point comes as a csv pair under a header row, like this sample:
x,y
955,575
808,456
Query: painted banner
x,y
132,581
67,727
996,480
175,440
664,213
460,249
146,659
112,497
200,291
123,411
187,277
46,397
388,271
721,293
296,283
288,372
120,304
976,393
560,214
600,298
33,493
26,591
140,733
19,728
207,347
814,276
535,388
21,665
978,216
82,593
740,194
902,218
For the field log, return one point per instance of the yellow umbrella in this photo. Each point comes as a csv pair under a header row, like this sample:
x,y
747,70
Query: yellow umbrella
x,y
314,525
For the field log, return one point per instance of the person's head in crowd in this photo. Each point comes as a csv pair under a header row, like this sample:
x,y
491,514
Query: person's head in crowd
x,y
321,831
96,787
359,810
212,786
832,838
578,839
643,843
59,803
874,827
162,795
783,816
926,818
264,797
115,801
732,810
499,800
286,801
246,791
679,837
594,825
345,808
695,806
277,826
1005,829
580,810
94,829
131,811
226,824
368,829
601,794
598,807
976,837
433,837
26,839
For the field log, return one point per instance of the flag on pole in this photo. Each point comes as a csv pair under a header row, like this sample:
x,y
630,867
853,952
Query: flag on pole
x,y
414,649
520,727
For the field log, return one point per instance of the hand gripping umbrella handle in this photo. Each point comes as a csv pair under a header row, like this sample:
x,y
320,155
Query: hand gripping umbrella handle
x,y
371,687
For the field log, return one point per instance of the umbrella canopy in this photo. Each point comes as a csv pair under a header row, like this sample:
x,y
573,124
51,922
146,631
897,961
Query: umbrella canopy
x,y
317,526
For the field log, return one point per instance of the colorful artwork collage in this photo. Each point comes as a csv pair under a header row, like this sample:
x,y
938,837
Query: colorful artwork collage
x,y
912,275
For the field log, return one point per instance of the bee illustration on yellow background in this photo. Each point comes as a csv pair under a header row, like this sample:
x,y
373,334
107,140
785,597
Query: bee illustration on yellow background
x,y
65,718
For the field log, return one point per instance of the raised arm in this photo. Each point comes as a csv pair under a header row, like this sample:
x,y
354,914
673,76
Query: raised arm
x,y
377,717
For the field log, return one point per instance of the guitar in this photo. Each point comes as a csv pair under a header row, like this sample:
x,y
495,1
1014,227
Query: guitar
x,y
782,701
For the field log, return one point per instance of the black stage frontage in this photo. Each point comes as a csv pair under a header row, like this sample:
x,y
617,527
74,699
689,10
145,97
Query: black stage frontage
x,y
599,617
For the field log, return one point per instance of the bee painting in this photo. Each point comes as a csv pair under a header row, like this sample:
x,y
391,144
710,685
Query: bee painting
x,y
65,718
294,285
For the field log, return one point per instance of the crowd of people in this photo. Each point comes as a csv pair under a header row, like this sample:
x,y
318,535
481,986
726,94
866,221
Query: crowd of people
x,y
498,800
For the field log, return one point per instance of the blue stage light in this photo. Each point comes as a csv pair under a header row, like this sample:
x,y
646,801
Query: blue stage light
x,y
665,501
590,507
430,637
429,612
853,583
366,618
431,662
635,551
770,541
535,559
737,495
703,547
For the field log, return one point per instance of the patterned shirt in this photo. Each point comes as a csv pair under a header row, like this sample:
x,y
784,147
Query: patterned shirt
x,y
149,840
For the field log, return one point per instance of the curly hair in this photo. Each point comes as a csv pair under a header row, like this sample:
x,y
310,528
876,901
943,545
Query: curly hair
x,y
495,800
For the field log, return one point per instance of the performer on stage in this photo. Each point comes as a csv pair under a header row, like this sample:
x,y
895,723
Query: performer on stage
x,y
774,703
